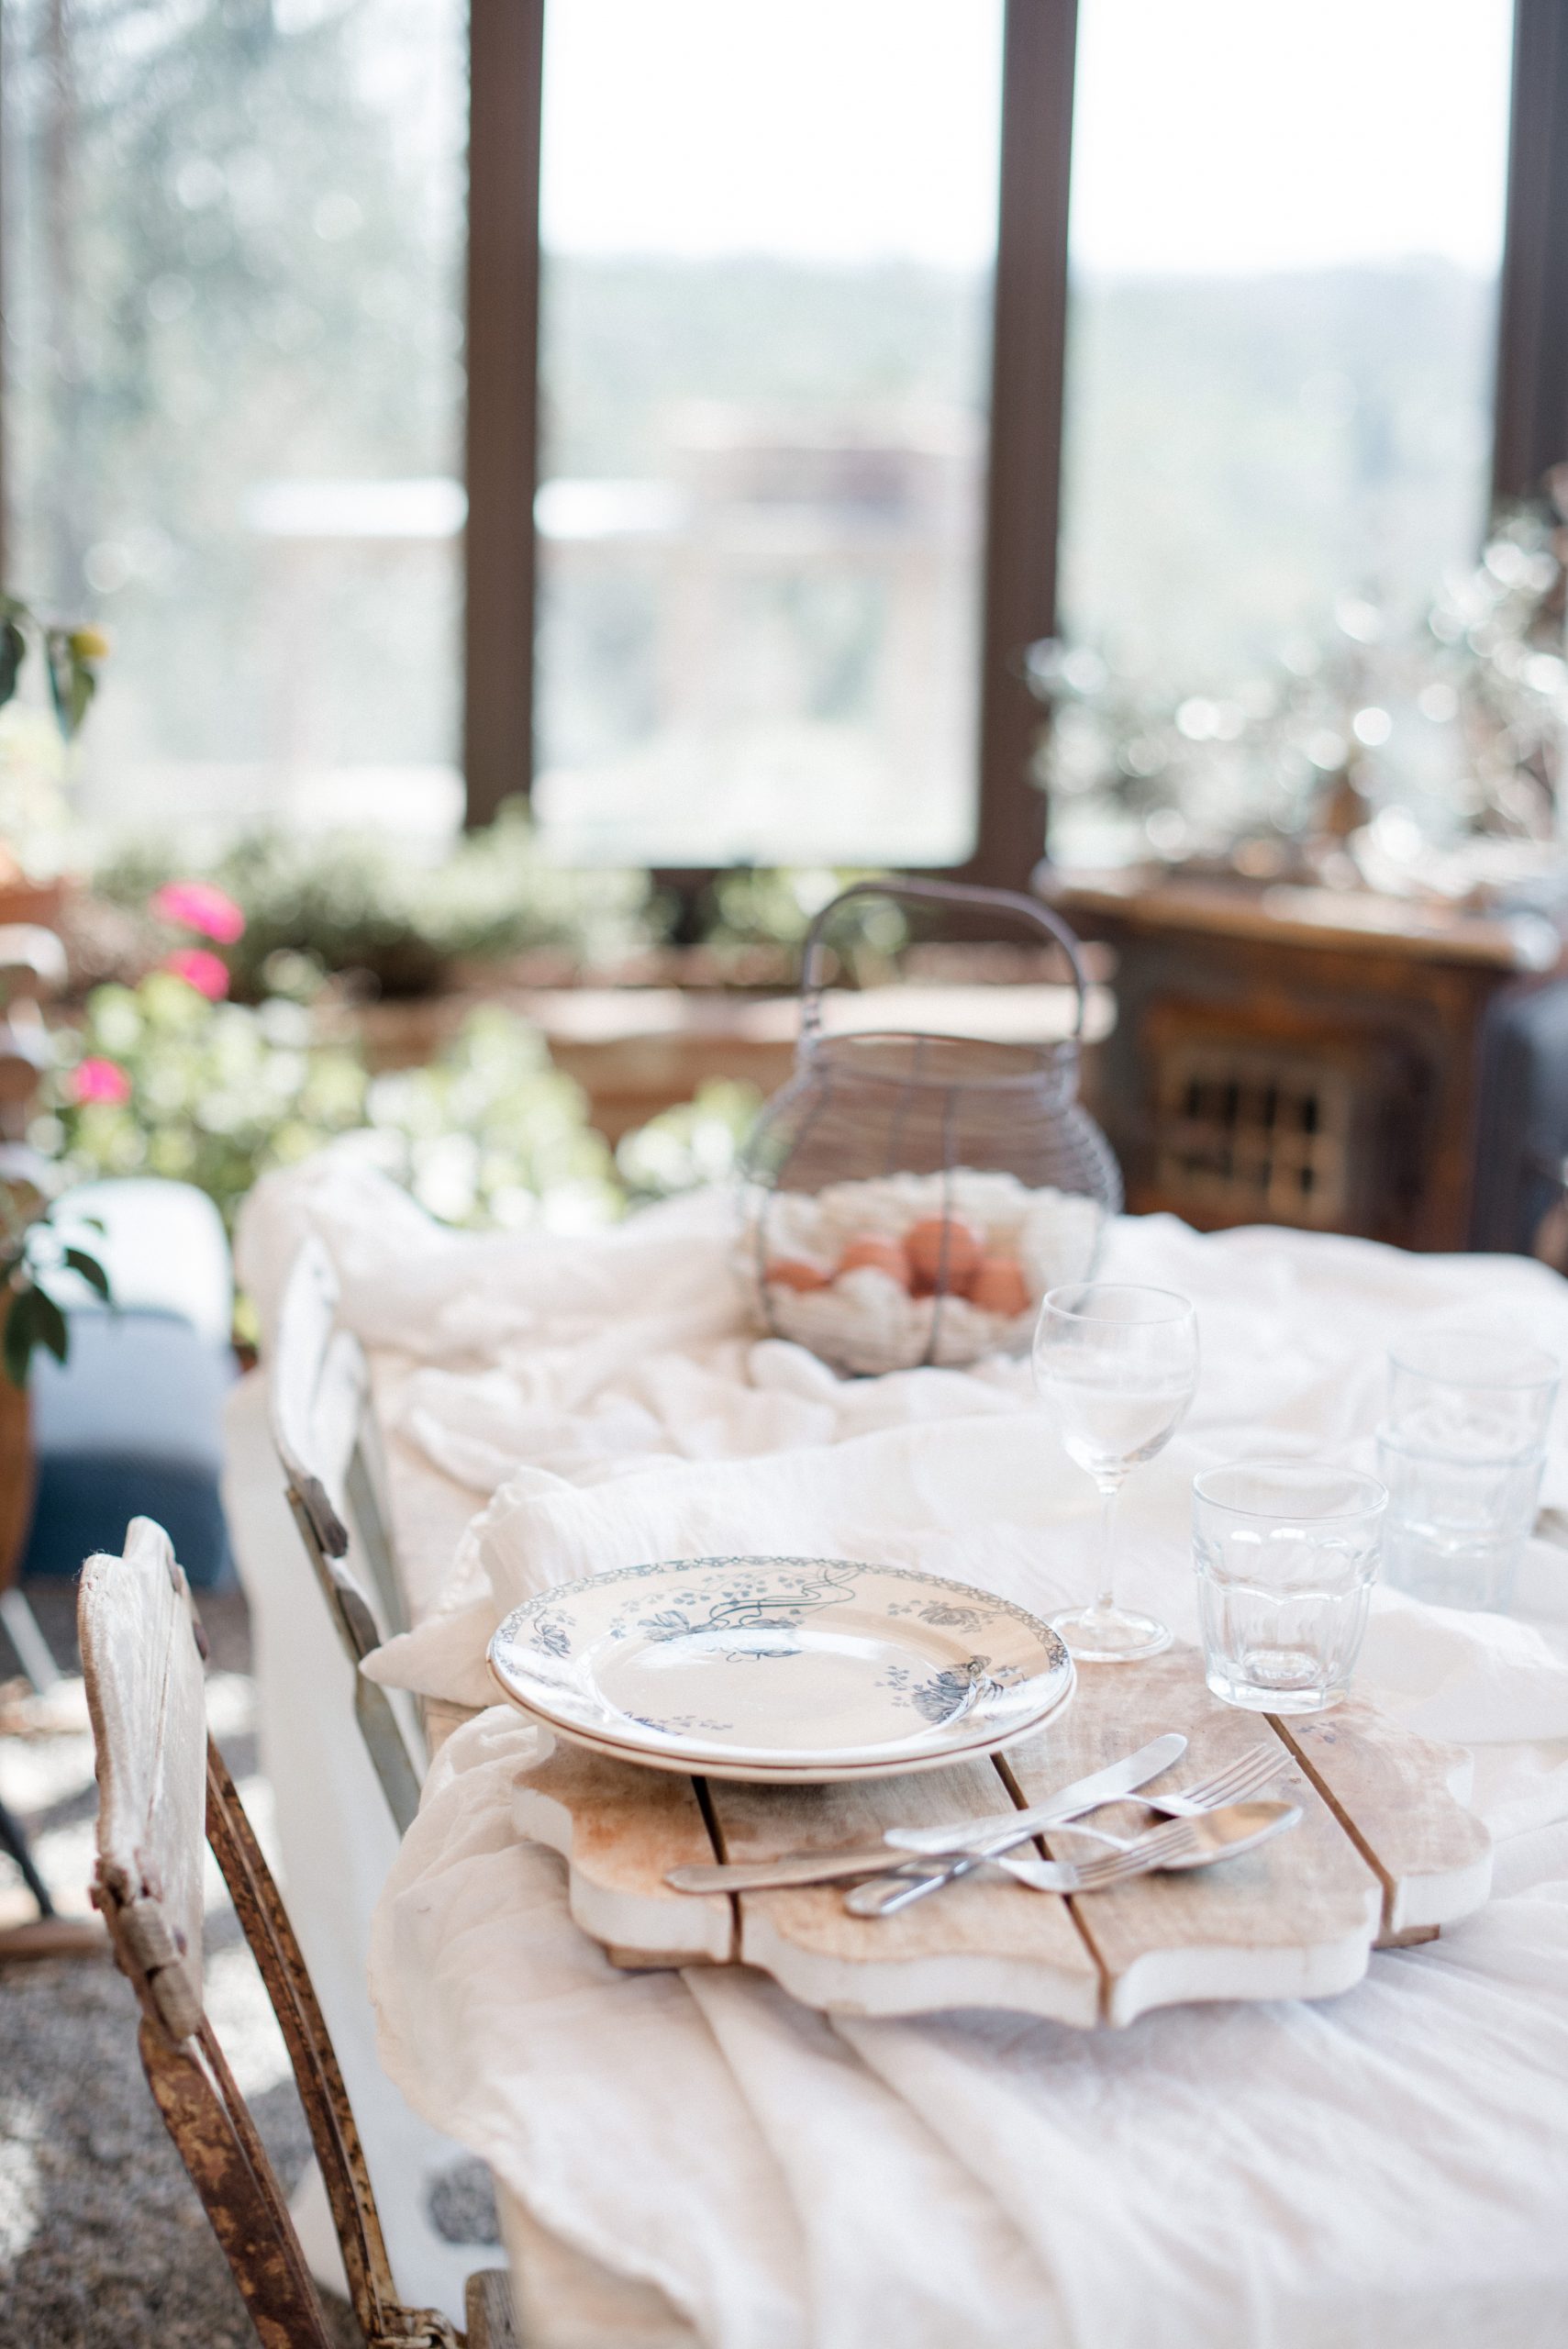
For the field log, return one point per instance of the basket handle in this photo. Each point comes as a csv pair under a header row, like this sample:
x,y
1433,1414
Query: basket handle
x,y
933,893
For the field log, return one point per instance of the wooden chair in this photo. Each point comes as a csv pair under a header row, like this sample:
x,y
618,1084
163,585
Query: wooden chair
x,y
158,1775
325,1430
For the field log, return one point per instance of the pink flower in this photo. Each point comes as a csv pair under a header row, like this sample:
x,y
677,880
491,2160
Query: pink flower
x,y
208,974
99,1080
196,904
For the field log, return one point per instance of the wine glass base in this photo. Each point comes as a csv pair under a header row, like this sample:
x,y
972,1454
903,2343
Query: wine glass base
x,y
1109,1635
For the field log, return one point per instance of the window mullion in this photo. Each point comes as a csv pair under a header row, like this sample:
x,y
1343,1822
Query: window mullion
x,y
1531,428
1023,493
505,77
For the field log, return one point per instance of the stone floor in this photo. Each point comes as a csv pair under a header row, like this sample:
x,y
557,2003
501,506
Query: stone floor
x,y
103,2242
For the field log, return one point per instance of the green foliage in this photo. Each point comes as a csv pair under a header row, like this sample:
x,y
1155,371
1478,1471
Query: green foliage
x,y
490,1128
217,1093
696,1142
13,652
776,904
71,656
1453,719
31,1250
348,903
768,904
238,227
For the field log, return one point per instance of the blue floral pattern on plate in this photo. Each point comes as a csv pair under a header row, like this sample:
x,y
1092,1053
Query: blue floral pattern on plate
x,y
819,1665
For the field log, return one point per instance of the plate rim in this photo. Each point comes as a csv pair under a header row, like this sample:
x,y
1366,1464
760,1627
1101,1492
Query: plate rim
x,y
811,1774
926,1749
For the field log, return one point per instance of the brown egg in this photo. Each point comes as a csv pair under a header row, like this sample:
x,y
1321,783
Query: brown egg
x,y
792,1272
998,1286
942,1248
875,1252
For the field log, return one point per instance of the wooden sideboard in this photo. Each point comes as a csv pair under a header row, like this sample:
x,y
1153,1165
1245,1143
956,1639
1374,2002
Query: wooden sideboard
x,y
1300,1055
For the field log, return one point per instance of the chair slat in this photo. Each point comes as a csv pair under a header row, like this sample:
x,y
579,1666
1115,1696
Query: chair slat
x,y
492,2321
366,1489
324,1429
300,1350
265,1924
238,2188
143,1673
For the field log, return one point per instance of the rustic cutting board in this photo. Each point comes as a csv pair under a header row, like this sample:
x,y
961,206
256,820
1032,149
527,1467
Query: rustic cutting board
x,y
1384,1855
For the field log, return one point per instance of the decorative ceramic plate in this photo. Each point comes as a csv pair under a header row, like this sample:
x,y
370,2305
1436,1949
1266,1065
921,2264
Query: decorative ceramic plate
x,y
781,1669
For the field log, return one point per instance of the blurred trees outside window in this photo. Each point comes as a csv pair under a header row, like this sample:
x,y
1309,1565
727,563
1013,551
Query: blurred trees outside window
x,y
233,276
1286,241
767,235
232,269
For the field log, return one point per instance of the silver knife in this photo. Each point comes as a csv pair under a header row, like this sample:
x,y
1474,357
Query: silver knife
x,y
1117,1779
829,1868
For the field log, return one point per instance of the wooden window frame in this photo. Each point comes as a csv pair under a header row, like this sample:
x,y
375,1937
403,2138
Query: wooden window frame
x,y
1529,431
1029,355
1029,342
507,48
501,455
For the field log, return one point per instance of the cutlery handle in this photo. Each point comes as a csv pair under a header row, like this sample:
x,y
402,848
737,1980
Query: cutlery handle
x,y
774,1875
830,1867
987,1836
893,1893
882,1901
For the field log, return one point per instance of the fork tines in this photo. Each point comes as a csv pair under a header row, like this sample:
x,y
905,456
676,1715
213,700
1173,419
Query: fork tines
x,y
1253,1768
1161,1842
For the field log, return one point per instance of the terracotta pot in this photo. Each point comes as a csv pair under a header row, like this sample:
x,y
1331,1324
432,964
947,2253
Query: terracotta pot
x,y
17,1471
40,902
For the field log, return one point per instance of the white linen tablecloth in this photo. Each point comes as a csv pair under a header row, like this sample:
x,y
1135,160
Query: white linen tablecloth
x,y
692,2156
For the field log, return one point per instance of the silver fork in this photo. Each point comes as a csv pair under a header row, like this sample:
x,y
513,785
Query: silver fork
x,y
1179,1843
1247,1774
1244,1776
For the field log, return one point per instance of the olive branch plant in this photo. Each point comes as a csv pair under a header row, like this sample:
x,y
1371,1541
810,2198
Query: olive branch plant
x,y
71,654
32,1251
31,1248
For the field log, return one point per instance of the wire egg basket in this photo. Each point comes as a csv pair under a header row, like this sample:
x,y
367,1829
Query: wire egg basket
x,y
910,1197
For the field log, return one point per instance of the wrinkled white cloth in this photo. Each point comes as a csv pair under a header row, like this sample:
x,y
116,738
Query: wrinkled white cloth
x,y
1388,2168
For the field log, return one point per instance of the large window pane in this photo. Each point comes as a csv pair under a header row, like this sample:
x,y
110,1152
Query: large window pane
x,y
768,234
1285,234
233,270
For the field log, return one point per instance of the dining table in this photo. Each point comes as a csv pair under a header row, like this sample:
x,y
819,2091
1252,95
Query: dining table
x,y
688,2155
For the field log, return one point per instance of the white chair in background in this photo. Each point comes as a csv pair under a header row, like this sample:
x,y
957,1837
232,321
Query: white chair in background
x,y
330,1449
335,1825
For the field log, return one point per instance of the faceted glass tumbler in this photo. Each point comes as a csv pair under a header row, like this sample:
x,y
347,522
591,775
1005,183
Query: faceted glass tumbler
x,y
1457,1527
1472,1393
1286,1553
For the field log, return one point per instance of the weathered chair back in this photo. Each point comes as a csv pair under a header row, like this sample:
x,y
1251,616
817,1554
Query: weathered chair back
x,y
325,1430
159,1777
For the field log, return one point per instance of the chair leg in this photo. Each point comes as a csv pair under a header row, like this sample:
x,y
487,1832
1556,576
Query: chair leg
x,y
487,2307
14,1841
32,1649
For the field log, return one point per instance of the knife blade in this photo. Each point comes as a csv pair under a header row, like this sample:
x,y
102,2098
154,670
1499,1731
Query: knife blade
x,y
1013,1827
1068,1802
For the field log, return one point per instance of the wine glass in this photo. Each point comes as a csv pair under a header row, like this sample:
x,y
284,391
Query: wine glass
x,y
1115,1366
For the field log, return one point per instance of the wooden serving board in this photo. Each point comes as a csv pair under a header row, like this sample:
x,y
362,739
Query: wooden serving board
x,y
1386,1855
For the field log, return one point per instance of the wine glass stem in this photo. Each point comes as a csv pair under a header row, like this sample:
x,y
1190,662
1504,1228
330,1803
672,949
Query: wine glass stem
x,y
1104,1580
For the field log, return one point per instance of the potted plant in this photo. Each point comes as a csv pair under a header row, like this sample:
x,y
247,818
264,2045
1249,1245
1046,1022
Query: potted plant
x,y
71,655
31,1252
